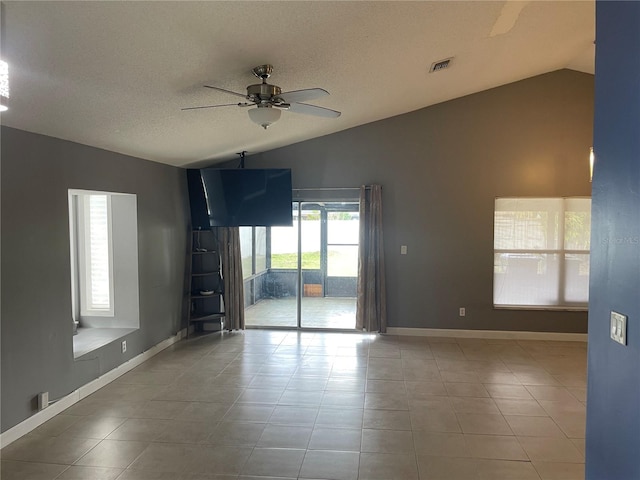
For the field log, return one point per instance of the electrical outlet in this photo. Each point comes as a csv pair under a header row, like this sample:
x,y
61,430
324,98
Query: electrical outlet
x,y
463,311
403,250
43,400
124,346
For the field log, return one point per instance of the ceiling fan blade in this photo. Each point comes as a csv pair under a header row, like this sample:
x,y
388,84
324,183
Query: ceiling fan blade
x,y
244,104
303,95
226,91
313,110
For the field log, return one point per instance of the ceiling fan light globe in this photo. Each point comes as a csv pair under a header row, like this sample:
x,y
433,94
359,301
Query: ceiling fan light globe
x,y
264,116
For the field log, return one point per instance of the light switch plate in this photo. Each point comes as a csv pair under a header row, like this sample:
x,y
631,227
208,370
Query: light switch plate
x,y
618,329
403,250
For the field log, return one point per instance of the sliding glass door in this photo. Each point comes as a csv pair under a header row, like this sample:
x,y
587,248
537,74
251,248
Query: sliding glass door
x,y
310,270
275,302
329,285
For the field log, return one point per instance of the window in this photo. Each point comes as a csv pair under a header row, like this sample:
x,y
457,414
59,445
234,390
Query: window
x,y
343,236
103,229
541,252
284,245
253,249
95,259
246,251
260,249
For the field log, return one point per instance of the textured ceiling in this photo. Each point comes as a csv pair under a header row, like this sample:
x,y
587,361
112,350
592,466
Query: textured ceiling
x,y
116,74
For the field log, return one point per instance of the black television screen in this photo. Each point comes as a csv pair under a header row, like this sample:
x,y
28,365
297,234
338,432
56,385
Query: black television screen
x,y
197,201
248,197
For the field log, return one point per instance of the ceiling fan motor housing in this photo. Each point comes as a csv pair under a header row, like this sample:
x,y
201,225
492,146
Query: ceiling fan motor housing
x,y
262,92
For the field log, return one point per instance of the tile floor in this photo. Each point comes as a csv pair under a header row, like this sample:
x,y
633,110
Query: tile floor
x,y
275,404
317,312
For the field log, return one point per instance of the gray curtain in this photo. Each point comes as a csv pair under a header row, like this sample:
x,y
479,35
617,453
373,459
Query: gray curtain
x,y
371,312
232,276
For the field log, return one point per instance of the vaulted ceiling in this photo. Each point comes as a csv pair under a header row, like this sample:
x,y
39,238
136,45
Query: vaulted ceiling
x,y
115,75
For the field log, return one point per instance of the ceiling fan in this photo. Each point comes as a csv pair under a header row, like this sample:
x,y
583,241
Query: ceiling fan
x,y
269,100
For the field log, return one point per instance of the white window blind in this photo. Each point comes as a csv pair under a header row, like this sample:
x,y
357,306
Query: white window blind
x,y
541,252
97,259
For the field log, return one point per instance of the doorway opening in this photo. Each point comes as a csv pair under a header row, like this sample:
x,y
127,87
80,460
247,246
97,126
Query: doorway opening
x,y
303,276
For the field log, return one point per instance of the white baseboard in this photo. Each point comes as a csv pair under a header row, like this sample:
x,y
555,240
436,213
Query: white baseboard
x,y
37,419
498,334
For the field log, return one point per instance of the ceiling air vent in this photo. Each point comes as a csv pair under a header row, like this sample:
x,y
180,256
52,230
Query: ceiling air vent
x,y
440,65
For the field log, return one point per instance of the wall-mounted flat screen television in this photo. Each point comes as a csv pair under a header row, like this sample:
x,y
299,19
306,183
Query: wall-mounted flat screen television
x,y
197,201
248,197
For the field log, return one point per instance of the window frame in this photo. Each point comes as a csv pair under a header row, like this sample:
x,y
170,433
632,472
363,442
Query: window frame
x,y
350,208
87,306
252,230
561,251
79,231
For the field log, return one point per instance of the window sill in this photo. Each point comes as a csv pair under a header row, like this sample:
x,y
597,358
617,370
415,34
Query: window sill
x,y
89,339
545,308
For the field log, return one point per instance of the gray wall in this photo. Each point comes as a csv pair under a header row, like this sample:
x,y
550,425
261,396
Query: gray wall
x,y
441,168
37,344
